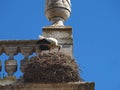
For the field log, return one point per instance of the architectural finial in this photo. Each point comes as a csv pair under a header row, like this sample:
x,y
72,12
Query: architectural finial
x,y
57,11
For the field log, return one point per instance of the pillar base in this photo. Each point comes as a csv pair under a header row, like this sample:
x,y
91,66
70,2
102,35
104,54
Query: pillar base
x,y
64,36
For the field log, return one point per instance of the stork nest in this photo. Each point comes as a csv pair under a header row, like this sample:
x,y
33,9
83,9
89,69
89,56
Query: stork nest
x,y
51,68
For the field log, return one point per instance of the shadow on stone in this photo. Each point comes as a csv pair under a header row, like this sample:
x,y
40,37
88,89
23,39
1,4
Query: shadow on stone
x,y
51,68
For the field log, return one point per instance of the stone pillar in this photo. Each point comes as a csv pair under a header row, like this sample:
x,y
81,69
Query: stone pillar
x,y
64,36
57,11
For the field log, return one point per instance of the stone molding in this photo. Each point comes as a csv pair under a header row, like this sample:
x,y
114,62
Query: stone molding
x,y
59,86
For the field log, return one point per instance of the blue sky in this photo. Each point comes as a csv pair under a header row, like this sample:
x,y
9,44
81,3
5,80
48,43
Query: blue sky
x,y
96,33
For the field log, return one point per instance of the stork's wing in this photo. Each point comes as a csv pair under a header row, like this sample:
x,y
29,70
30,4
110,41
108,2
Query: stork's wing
x,y
53,41
43,41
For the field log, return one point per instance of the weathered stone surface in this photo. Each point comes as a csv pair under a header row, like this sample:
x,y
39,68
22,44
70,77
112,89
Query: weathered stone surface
x,y
7,80
11,48
17,43
58,86
15,46
64,36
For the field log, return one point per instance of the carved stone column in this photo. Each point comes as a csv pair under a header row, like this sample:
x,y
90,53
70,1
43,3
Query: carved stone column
x,y
57,11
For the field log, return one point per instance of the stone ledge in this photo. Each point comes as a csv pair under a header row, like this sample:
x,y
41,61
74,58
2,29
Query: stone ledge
x,y
58,27
58,86
21,42
17,42
62,33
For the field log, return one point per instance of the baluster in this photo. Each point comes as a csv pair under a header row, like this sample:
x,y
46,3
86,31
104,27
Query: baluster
x,y
26,51
2,50
26,56
37,50
10,64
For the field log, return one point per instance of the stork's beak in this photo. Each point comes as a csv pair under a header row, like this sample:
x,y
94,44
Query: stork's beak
x,y
60,46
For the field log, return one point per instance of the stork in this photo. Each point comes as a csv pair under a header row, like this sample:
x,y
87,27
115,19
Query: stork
x,y
48,43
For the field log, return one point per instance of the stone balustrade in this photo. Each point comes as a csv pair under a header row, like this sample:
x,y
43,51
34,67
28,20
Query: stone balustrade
x,y
13,52
10,58
14,55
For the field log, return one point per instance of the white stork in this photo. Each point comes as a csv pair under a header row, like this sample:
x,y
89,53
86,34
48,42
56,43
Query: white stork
x,y
48,43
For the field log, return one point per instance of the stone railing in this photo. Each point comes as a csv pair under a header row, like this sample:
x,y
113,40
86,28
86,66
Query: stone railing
x,y
14,52
14,55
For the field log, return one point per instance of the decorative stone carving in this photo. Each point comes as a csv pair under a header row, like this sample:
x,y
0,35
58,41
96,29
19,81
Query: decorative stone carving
x,y
10,67
11,64
57,11
11,48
